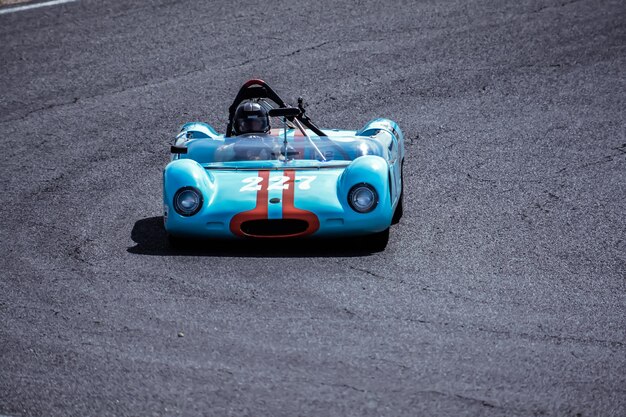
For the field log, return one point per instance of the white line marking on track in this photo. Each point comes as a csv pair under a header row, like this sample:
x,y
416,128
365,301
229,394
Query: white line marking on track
x,y
34,6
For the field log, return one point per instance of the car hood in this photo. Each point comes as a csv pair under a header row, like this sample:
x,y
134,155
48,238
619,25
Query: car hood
x,y
248,188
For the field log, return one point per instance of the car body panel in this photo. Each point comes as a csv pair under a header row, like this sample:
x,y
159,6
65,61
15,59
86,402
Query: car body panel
x,y
323,192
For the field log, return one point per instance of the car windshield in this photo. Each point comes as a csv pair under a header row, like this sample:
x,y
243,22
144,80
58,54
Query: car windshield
x,y
270,148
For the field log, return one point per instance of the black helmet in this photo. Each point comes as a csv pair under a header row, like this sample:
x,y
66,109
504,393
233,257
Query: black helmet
x,y
251,117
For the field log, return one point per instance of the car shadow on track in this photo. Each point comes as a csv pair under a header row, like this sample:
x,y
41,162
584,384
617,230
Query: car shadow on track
x,y
151,239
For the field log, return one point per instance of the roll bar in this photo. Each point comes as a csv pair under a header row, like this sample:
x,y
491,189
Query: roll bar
x,y
254,89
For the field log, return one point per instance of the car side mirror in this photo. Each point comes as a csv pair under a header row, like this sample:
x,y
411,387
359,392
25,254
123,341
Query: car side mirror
x,y
178,149
288,112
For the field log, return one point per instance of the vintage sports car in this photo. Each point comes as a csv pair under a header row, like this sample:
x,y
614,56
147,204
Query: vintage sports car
x,y
287,181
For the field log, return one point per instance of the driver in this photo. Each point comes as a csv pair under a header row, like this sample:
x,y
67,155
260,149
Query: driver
x,y
251,117
251,125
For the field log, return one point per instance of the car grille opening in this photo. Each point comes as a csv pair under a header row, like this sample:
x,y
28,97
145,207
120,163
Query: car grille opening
x,y
274,227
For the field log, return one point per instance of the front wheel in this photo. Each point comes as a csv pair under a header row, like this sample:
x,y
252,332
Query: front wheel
x,y
177,242
377,242
397,215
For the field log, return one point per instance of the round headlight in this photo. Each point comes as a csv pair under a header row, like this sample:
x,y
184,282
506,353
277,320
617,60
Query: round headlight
x,y
363,198
188,201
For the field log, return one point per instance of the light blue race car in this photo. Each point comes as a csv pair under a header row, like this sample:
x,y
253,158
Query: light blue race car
x,y
294,180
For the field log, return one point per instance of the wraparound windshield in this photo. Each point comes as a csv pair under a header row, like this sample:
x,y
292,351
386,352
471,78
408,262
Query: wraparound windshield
x,y
268,148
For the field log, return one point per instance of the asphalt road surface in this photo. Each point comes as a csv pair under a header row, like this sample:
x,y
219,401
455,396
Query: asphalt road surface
x,y
502,292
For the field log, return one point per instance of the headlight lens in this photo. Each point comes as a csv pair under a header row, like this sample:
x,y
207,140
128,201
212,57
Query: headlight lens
x,y
363,198
188,201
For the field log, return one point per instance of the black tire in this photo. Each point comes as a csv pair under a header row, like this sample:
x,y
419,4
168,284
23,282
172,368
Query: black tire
x,y
397,215
378,241
176,242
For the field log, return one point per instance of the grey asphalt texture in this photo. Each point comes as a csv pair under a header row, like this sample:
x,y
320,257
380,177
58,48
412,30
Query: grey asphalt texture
x,y
502,291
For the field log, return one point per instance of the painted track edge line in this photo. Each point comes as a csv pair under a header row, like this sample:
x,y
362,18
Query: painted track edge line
x,y
34,6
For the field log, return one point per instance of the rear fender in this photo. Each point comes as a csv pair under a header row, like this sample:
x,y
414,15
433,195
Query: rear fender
x,y
193,136
197,130
374,128
375,125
